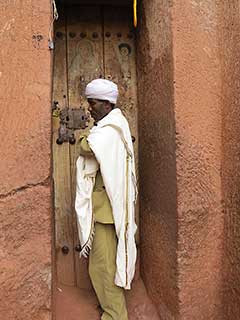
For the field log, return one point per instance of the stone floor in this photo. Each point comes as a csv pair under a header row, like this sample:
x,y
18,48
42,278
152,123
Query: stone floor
x,y
77,304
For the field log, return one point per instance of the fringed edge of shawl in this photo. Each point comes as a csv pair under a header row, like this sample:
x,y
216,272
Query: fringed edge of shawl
x,y
88,245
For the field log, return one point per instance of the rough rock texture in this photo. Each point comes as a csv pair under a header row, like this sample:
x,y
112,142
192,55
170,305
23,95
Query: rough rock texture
x,y
188,71
158,229
197,92
25,86
182,71
25,195
25,255
74,304
229,34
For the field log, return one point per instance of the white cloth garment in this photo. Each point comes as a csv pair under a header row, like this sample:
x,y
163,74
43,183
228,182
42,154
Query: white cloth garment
x,y
112,145
86,173
102,89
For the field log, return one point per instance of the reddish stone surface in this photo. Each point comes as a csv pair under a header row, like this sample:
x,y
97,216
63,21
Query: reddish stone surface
x,y
197,91
140,306
229,36
25,74
26,266
25,195
74,304
188,78
202,70
157,165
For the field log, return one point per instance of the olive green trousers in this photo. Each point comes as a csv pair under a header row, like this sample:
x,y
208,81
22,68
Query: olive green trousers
x,y
102,268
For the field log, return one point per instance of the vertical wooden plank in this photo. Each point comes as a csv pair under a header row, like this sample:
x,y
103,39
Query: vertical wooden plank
x,y
61,165
85,63
85,53
120,65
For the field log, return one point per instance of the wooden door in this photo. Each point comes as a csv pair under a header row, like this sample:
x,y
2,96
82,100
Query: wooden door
x,y
90,42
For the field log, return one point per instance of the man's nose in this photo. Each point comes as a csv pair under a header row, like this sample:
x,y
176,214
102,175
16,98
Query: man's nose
x,y
89,108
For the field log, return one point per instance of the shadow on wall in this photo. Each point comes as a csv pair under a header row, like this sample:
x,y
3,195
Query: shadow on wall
x,y
157,157
230,44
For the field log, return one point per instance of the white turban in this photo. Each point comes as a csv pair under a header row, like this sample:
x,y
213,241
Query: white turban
x,y
102,89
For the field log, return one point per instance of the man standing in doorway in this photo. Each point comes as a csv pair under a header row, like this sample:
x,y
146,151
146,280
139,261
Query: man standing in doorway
x,y
105,200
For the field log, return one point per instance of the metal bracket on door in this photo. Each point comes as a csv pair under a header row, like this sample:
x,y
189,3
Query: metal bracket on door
x,y
70,119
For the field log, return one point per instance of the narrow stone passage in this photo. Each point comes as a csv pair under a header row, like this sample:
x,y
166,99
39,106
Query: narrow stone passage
x,y
75,304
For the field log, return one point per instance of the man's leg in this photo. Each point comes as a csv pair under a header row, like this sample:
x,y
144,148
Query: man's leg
x,y
102,267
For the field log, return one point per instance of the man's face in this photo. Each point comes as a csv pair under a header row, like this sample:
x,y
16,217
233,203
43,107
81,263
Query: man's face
x,y
98,108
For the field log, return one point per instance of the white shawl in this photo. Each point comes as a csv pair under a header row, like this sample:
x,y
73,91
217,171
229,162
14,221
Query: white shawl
x,y
112,145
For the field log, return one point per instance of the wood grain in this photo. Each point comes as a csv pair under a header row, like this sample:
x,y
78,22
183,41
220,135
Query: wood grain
x,y
61,166
85,63
90,42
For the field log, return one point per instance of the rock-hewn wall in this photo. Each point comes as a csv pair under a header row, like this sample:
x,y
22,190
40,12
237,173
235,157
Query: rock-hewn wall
x,y
188,83
229,33
25,195
157,168
197,93
180,129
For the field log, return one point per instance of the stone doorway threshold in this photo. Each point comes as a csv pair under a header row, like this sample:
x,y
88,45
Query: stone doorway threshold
x,y
78,304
